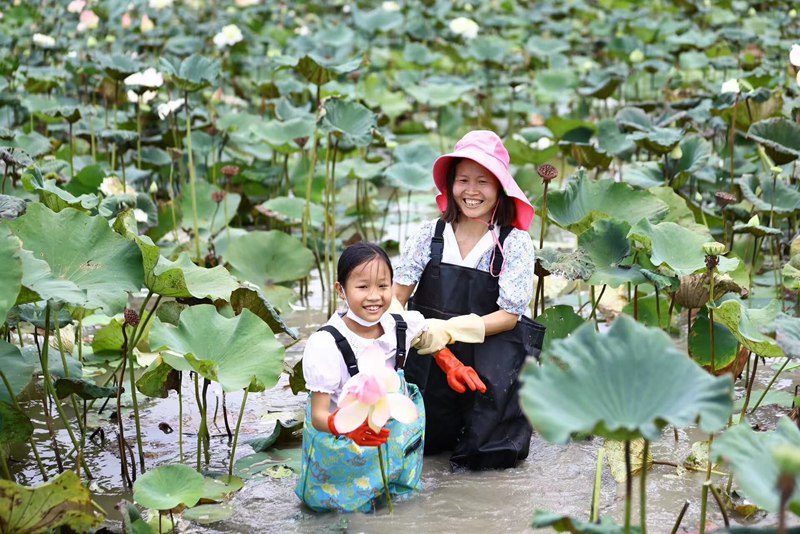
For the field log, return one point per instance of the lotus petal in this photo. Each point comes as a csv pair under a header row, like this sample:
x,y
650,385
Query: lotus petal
x,y
402,408
350,417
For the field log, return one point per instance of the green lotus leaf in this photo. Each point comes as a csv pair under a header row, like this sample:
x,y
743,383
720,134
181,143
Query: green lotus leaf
x,y
168,486
438,94
319,71
58,199
35,315
572,265
15,426
39,283
589,156
281,135
544,47
410,176
30,145
83,388
193,73
71,114
216,487
419,54
62,501
251,298
677,247
560,321
585,201
17,370
779,136
750,455
695,154
266,258
132,522
746,323
118,137
725,343
11,207
211,216
782,199
6,134
791,274
290,210
44,79
10,271
170,216
377,94
607,245
658,140
237,352
488,49
206,514
108,340
601,83
377,20
117,66
358,168
787,334
155,156
561,126
615,456
520,153
679,211
593,383
758,230
555,83
648,313
564,523
612,141
661,281
348,122
158,379
85,251
634,119
86,181
259,463
114,205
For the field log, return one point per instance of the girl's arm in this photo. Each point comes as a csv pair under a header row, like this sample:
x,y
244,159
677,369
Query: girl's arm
x,y
320,410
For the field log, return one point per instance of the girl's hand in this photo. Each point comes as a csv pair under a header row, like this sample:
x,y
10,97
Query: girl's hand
x,y
363,435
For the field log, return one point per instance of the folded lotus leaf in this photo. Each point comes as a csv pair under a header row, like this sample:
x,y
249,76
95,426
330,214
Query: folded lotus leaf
x,y
694,289
746,325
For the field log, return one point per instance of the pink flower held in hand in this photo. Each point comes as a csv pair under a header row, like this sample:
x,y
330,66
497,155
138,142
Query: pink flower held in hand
x,y
373,394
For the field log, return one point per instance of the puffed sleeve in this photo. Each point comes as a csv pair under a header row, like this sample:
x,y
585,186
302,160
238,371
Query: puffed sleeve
x,y
416,325
414,255
516,278
321,368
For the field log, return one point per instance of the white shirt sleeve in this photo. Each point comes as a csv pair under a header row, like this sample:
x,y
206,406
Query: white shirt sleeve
x,y
516,278
416,324
322,364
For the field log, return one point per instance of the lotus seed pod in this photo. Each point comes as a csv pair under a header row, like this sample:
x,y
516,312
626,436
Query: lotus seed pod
x,y
218,196
131,317
713,248
230,170
547,172
724,198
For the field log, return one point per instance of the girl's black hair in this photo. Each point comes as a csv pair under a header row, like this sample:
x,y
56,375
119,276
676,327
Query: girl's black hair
x,y
506,209
359,254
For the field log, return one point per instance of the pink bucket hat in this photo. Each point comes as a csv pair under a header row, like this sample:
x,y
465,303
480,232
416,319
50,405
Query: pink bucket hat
x,y
486,148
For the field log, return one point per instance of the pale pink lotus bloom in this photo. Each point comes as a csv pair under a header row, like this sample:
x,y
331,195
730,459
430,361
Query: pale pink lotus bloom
x,y
76,6
126,20
373,395
88,20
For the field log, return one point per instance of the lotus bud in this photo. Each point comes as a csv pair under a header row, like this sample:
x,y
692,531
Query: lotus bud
x,y
230,171
792,13
751,12
218,196
301,141
131,317
110,39
153,188
676,153
713,248
91,42
754,221
547,172
724,198
637,56
731,86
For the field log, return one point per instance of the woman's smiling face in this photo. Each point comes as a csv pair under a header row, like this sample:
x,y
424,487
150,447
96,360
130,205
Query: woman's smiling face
x,y
475,190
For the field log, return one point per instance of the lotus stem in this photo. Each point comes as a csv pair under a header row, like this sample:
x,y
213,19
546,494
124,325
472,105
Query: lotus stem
x,y
72,155
658,309
718,498
594,514
192,175
731,142
180,415
706,485
72,398
139,132
636,302
680,518
774,378
643,489
711,317
385,481
4,465
32,442
120,427
628,486
309,180
225,417
752,270
595,303
236,433
48,382
749,386
205,434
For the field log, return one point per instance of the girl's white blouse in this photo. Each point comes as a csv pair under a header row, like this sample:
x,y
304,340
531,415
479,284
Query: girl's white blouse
x,y
324,369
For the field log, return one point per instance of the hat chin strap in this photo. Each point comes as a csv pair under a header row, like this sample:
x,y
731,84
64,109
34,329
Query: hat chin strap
x,y
498,245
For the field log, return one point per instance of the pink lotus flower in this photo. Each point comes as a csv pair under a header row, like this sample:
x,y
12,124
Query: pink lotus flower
x,y
88,20
373,394
126,20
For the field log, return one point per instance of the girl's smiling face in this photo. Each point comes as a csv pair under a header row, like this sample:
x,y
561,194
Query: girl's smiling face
x,y
475,190
368,289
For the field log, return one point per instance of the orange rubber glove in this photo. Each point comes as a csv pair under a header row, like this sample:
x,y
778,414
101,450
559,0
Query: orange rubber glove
x,y
363,435
459,376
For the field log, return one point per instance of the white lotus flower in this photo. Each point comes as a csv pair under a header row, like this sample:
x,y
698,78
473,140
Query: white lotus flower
x,y
139,215
147,96
160,4
146,25
149,78
467,28
373,395
798,77
390,6
43,41
228,36
794,55
112,185
88,20
544,143
302,30
164,110
246,3
76,6
346,9
731,86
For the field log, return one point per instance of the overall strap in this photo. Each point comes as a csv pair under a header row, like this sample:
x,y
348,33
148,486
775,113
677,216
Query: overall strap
x,y
400,330
437,247
497,263
344,347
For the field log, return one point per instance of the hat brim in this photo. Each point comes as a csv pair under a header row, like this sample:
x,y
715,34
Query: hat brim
x,y
524,209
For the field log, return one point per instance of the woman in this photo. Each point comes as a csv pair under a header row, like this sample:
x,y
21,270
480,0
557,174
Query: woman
x,y
477,258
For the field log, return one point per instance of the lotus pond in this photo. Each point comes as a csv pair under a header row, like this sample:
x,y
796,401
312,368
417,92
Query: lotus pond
x,y
179,177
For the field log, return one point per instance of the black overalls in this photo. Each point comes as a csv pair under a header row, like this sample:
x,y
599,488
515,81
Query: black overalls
x,y
484,431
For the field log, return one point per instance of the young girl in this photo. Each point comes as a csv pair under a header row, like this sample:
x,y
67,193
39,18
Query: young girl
x,y
477,258
340,470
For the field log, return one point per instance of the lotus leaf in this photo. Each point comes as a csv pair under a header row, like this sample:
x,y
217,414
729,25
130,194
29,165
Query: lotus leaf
x,y
560,321
83,250
217,487
118,137
647,312
419,54
86,181
15,426
658,140
601,83
750,455
695,155
158,379
238,352
250,297
211,216
438,94
596,384
85,389
349,122
694,289
612,141
116,204
117,66
677,247
679,211
572,265
377,20
11,207
634,119
193,73
257,464
281,135
607,247
10,271
289,210
589,156
520,153
726,346
787,334
585,201
563,523
319,72
168,486
17,370
62,501
555,83
39,283
745,324
757,230
488,49
132,522
561,126
266,258
782,199
58,199
780,138
208,513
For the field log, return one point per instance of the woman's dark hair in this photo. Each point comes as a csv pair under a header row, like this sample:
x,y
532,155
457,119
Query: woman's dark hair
x,y
506,209
359,254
